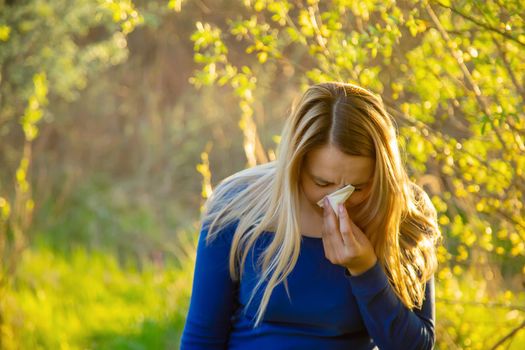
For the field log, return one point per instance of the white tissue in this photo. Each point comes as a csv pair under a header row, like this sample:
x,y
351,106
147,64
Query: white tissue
x,y
339,196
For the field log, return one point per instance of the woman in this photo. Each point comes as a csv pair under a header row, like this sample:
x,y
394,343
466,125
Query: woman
x,y
358,279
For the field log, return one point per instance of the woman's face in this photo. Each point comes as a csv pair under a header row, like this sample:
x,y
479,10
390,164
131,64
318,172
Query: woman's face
x,y
326,169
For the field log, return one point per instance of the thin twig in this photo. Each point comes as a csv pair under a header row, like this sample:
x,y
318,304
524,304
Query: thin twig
x,y
508,336
479,303
322,40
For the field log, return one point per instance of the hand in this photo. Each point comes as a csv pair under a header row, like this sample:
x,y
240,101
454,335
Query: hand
x,y
344,243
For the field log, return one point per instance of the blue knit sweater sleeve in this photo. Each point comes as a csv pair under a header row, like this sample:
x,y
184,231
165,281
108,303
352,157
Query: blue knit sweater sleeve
x,y
388,321
212,300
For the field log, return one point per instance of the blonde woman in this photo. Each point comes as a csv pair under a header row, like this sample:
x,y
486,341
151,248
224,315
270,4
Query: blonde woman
x,y
275,270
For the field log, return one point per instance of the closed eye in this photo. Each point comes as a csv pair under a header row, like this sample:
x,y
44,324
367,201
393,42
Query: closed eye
x,y
325,185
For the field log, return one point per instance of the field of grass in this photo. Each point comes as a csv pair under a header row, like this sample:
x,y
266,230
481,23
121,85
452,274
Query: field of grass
x,y
89,301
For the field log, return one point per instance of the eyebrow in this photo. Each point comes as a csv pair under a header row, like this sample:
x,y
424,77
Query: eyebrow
x,y
328,182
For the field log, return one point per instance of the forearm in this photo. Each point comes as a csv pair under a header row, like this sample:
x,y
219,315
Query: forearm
x,y
389,322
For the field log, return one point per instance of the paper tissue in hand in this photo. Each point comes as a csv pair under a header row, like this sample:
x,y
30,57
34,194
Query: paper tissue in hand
x,y
339,196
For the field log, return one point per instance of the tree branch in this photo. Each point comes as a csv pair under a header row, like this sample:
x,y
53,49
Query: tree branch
x,y
508,336
466,73
481,24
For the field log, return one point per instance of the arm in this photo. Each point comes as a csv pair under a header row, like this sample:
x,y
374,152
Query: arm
x,y
390,324
213,295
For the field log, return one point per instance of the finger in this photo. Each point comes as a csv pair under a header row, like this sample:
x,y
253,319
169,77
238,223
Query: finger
x,y
327,242
345,225
326,221
331,225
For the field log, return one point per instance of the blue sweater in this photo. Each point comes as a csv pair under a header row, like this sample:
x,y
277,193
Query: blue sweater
x,y
326,309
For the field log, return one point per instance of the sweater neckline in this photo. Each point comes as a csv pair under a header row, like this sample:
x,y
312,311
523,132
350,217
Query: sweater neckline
x,y
303,236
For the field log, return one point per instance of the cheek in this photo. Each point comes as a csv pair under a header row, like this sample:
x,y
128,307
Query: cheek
x,y
355,198
312,192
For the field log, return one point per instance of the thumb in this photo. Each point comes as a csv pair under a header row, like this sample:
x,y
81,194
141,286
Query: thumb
x,y
345,226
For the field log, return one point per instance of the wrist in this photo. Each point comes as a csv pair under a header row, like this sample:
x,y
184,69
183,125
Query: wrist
x,y
356,271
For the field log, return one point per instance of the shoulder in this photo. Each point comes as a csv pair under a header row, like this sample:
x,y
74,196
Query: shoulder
x,y
219,216
234,186
225,192
234,198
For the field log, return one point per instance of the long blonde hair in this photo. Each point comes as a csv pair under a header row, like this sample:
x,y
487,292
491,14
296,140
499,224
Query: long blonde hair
x,y
398,216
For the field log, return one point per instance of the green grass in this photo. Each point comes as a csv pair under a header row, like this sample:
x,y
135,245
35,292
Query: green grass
x,y
88,301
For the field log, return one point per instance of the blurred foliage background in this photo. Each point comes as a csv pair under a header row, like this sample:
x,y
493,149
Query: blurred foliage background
x,y
117,118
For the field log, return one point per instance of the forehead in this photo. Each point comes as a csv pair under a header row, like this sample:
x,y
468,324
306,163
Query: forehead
x,y
330,164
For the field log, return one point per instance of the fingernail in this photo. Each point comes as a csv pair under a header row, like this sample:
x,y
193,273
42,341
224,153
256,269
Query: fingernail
x,y
326,201
341,208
